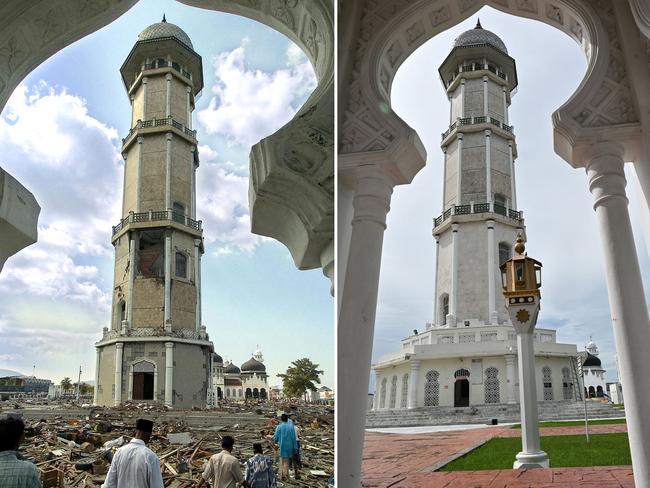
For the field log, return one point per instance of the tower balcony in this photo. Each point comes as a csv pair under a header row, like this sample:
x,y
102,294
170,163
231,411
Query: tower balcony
x,y
479,208
159,125
159,218
475,124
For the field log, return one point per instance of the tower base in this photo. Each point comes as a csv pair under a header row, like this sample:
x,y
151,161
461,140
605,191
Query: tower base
x,y
531,460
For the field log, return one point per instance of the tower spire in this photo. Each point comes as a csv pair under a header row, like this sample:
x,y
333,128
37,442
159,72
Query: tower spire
x,y
478,24
164,19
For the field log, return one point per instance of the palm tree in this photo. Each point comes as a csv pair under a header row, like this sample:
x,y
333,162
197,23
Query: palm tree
x,y
66,384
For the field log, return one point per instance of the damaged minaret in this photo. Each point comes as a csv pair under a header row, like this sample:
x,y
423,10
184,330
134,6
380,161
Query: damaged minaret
x,y
156,348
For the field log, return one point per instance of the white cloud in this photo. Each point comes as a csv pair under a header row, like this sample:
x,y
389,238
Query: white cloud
x,y
249,104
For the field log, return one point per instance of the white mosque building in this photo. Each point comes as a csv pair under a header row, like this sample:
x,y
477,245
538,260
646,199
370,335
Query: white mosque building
x,y
468,355
233,383
594,374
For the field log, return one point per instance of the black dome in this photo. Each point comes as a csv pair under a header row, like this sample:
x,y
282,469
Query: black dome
x,y
231,369
477,36
216,358
591,361
254,366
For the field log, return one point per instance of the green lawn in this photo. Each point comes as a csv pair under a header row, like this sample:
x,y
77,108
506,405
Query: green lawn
x,y
576,422
563,451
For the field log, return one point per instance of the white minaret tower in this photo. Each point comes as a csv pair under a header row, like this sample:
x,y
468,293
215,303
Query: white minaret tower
x,y
480,220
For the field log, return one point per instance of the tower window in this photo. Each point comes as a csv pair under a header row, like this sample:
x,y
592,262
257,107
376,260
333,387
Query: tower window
x,y
445,308
504,252
181,265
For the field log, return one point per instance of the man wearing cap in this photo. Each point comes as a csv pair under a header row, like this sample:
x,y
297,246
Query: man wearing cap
x,y
135,465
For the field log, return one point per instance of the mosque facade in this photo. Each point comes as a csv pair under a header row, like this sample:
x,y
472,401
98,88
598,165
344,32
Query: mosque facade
x,y
232,383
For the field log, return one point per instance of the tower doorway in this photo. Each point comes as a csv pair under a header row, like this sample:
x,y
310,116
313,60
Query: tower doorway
x,y
461,388
143,381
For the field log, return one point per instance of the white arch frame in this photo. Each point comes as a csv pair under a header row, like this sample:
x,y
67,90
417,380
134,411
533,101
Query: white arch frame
x,y
155,379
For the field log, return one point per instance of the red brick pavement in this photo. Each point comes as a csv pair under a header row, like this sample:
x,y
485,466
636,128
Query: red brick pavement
x,y
406,461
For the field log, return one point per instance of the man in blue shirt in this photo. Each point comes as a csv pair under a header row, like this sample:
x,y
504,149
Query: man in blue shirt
x,y
285,437
15,473
259,469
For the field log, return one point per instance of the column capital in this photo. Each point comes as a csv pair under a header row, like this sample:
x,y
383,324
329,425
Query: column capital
x,y
488,132
606,174
510,358
485,78
169,136
462,81
119,345
372,195
459,136
145,80
169,345
490,224
455,227
168,77
197,242
437,238
188,89
415,364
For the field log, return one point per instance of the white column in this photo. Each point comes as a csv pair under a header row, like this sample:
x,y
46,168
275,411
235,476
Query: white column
x,y
169,374
97,359
414,379
505,105
168,172
119,350
510,378
124,186
493,316
444,177
532,454
168,98
189,107
485,97
436,302
488,167
513,188
129,307
197,280
144,97
626,297
358,307
462,97
168,282
459,166
375,399
131,98
453,296
138,175
451,111
195,166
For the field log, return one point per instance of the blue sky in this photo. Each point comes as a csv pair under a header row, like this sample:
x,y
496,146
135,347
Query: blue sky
x,y
560,222
59,136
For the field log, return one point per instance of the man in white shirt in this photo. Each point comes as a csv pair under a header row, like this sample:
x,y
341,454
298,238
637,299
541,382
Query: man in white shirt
x,y
135,465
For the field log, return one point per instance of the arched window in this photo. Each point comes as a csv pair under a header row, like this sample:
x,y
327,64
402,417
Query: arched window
x,y
240,392
548,383
262,393
592,392
256,393
219,393
393,392
505,252
444,300
405,391
567,384
227,392
249,393
599,391
432,389
161,63
181,265
382,394
492,392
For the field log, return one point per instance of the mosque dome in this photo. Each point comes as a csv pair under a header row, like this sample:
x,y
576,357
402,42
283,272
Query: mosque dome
x,y
592,361
231,369
216,358
253,366
164,29
479,36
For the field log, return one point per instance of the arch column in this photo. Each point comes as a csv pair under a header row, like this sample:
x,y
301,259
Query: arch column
x,y
453,296
168,282
493,316
169,374
414,379
119,352
358,305
168,171
510,378
627,302
436,299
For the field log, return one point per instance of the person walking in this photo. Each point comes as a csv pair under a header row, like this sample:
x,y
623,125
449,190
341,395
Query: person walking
x,y
285,437
14,472
259,469
222,470
135,465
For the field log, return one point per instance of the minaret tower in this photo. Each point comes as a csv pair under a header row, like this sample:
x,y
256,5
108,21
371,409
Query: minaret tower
x,y
480,219
156,348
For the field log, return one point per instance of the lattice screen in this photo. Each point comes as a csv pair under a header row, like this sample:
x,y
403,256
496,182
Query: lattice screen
x,y
492,392
432,389
382,394
548,383
405,390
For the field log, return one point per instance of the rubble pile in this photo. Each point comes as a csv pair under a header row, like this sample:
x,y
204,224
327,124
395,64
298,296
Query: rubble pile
x,y
73,447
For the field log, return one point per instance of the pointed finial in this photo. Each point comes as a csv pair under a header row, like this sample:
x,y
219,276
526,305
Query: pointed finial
x,y
519,244
164,19
478,24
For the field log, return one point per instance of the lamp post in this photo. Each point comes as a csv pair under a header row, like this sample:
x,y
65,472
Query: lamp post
x,y
521,278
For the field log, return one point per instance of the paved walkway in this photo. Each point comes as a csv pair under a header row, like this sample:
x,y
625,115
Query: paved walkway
x,y
409,461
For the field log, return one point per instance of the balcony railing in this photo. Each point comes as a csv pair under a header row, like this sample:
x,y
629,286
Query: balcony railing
x,y
155,216
477,208
154,332
163,63
482,119
143,124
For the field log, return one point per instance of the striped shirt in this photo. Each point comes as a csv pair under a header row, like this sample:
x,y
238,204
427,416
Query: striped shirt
x,y
15,473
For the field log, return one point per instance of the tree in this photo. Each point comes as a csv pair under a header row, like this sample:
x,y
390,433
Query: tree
x,y
87,389
300,377
66,384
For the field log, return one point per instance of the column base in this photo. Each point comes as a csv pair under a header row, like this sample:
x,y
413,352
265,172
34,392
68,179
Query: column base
x,y
494,318
451,320
531,460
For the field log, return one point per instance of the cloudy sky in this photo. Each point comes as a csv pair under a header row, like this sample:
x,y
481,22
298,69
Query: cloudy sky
x,y
60,136
560,221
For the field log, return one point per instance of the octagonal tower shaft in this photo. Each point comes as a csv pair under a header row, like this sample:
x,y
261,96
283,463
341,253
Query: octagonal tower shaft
x,y
156,347
479,219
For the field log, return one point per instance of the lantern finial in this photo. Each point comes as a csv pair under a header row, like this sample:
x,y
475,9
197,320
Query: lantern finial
x,y
519,245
